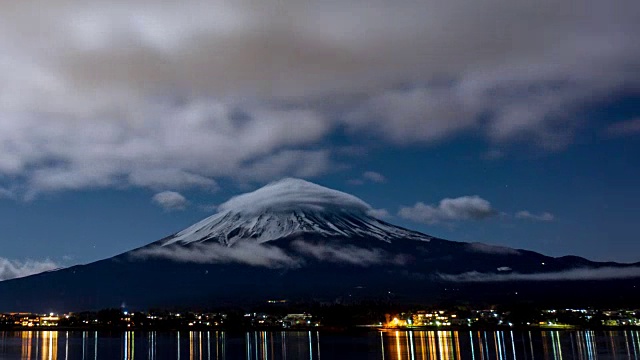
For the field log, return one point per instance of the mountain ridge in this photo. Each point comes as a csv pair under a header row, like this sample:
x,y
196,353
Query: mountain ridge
x,y
297,240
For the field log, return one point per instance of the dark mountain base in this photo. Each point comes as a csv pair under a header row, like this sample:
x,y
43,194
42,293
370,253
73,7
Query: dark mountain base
x,y
140,285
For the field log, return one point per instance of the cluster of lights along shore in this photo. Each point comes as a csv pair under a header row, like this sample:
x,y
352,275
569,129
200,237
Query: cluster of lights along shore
x,y
550,318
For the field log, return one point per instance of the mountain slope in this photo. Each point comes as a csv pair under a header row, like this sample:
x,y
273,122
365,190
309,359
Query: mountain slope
x,y
297,240
287,208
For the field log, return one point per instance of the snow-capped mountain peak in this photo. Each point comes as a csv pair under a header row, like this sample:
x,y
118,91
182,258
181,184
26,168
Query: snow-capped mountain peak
x,y
291,207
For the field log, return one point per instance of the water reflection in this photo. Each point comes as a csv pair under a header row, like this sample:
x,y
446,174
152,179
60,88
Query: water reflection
x,y
267,345
276,345
505,345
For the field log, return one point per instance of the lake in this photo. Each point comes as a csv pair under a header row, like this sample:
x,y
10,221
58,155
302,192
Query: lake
x,y
410,345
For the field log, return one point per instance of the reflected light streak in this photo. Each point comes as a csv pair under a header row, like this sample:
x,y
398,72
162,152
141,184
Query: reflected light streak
x,y
433,346
626,343
456,340
545,345
49,345
481,346
27,339
248,345
411,348
559,345
613,344
129,346
473,351
634,343
486,343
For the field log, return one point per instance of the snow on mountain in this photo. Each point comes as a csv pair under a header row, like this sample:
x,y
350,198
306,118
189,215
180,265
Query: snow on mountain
x,y
291,207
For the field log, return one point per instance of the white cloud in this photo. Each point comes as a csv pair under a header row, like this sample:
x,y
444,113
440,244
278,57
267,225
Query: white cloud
x,y
604,273
244,252
170,200
373,176
624,128
112,93
545,216
347,254
461,208
174,178
292,193
368,176
255,254
491,249
188,145
382,214
416,115
10,269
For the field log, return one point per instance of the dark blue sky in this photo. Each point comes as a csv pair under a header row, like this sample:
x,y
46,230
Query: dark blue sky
x,y
515,124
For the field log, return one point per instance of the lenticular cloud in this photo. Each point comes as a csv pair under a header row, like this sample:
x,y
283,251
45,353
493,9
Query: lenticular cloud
x,y
293,194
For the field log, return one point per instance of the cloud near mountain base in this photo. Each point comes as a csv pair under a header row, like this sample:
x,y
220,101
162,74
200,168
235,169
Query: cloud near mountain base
x,y
11,269
246,252
347,254
604,273
263,255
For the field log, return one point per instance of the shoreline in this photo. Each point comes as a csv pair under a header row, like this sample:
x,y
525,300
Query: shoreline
x,y
325,329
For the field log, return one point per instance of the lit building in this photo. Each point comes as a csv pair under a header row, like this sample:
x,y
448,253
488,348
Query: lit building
x,y
50,320
432,318
299,320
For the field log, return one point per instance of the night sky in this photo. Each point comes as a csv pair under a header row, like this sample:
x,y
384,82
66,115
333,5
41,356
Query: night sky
x,y
514,124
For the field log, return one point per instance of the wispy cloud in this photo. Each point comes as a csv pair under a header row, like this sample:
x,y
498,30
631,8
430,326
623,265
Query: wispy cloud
x,y
368,176
382,214
170,200
347,254
461,208
373,176
10,269
243,252
605,273
526,215
491,249
263,255
624,128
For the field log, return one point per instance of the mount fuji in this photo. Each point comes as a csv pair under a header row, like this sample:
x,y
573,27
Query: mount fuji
x,y
296,240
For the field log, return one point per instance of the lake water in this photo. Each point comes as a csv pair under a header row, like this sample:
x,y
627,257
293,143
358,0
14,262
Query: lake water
x,y
410,345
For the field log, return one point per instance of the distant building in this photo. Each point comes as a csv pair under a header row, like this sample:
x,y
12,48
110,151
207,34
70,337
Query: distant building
x,y
432,318
51,320
299,320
